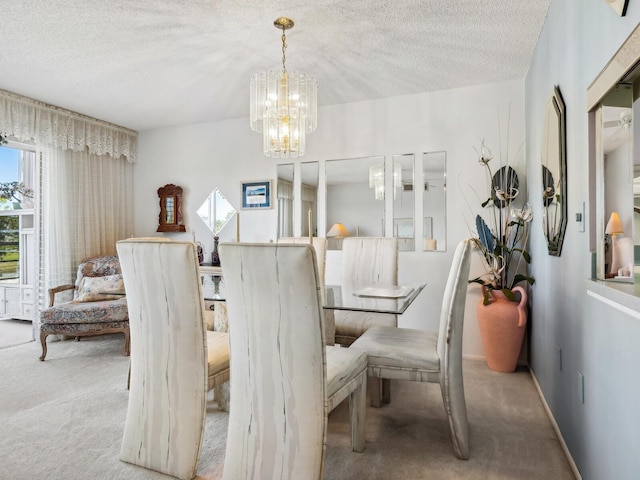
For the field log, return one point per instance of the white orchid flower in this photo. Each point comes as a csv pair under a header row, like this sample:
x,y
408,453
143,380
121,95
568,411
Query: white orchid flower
x,y
548,193
496,268
525,214
484,155
506,197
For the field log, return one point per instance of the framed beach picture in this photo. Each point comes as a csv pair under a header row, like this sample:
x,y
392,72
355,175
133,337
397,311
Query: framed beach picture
x,y
256,194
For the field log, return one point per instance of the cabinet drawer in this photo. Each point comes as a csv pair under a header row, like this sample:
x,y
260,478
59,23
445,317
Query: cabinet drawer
x,y
27,310
27,295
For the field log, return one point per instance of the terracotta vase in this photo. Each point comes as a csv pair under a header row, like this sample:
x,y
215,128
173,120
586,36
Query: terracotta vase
x,y
502,324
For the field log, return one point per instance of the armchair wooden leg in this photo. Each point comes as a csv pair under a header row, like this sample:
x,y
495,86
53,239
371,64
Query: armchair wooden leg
x,y
357,414
43,341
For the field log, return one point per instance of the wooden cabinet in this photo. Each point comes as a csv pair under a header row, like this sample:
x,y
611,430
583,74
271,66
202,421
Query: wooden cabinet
x,y
10,305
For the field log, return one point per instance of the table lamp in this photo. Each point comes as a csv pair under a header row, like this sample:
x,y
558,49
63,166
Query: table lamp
x,y
614,228
338,230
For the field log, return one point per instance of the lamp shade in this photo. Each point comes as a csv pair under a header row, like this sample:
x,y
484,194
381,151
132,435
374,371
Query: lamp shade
x,y
614,226
338,230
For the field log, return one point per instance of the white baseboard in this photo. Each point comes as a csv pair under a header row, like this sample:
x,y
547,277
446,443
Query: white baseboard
x,y
572,464
474,357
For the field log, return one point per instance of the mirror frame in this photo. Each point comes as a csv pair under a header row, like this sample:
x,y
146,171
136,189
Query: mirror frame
x,y
174,193
621,68
555,105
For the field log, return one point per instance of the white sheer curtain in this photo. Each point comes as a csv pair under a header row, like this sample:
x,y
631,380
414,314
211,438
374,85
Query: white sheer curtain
x,y
86,203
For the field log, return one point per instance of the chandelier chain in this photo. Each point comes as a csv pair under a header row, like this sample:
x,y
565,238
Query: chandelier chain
x,y
284,47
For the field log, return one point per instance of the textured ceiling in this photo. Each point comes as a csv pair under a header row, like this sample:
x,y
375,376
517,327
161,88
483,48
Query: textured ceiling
x,y
152,63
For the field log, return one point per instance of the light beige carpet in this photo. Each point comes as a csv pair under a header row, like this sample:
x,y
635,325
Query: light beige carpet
x,y
14,332
62,419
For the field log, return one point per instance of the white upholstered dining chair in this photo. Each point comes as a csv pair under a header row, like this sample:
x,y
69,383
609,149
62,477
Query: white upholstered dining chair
x,y
366,262
320,246
422,356
284,379
174,360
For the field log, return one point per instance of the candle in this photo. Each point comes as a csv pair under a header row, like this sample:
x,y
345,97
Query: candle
x,y
237,226
310,231
430,244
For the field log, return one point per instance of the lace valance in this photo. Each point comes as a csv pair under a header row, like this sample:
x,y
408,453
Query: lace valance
x,y
30,120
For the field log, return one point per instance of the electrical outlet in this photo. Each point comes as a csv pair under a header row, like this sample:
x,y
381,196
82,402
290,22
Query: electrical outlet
x,y
581,387
559,358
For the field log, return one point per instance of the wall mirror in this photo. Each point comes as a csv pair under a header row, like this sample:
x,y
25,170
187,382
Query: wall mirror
x,y
170,218
554,173
434,201
612,103
216,212
309,198
619,196
285,196
403,201
355,196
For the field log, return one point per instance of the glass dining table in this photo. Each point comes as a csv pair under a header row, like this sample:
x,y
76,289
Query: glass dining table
x,y
394,299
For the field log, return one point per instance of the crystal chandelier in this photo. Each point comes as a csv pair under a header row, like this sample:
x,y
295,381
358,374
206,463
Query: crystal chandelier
x,y
283,105
376,179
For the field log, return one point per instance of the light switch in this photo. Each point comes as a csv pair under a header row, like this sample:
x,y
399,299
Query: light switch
x,y
580,218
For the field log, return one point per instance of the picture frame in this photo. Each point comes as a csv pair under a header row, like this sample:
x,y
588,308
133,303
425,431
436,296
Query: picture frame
x,y
619,6
256,195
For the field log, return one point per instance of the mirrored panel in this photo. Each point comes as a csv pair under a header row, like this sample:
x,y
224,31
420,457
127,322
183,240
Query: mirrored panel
x,y
285,196
554,176
403,201
434,201
619,194
355,198
216,212
309,198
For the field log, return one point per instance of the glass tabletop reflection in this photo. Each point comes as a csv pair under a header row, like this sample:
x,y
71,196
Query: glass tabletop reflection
x,y
394,299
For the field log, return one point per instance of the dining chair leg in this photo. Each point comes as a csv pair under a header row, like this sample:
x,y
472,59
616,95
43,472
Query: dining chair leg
x,y
222,395
386,390
375,391
456,409
357,413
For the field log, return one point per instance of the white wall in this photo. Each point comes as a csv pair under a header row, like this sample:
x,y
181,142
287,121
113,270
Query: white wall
x,y
200,157
578,39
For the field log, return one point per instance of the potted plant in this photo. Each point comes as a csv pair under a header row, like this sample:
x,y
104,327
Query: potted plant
x,y
502,242
15,192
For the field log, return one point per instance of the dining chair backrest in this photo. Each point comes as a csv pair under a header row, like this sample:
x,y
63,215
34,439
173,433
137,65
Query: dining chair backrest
x,y
277,423
453,306
167,400
369,261
320,246
366,262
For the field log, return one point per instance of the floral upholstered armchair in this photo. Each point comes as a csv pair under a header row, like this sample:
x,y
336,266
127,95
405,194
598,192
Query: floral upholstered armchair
x,y
93,311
